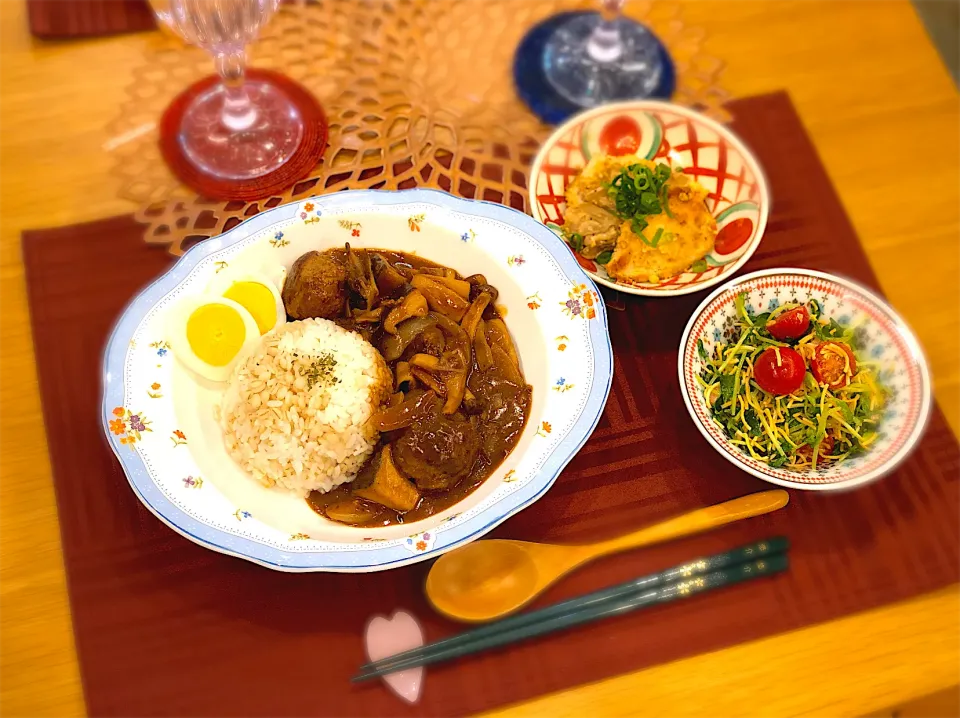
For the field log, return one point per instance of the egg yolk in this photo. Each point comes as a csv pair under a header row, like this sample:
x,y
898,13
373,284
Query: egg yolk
x,y
256,299
215,333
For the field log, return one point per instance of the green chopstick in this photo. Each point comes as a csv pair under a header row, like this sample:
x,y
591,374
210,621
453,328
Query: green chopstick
x,y
741,564
697,567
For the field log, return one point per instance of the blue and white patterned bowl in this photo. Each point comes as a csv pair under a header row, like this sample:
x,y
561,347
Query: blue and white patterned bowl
x,y
883,337
172,452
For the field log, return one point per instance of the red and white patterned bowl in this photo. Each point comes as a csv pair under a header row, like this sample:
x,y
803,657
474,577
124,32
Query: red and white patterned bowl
x,y
706,150
883,338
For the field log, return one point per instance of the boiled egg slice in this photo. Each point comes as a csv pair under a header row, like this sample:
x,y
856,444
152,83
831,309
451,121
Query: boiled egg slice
x,y
255,292
209,334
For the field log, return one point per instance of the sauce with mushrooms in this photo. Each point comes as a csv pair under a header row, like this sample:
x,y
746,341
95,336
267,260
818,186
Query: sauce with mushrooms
x,y
460,402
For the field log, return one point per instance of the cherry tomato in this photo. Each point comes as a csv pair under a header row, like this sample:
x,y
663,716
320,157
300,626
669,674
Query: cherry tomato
x,y
826,448
779,377
620,136
791,324
828,365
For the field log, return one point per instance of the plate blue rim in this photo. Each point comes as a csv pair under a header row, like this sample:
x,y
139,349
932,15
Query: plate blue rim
x,y
374,559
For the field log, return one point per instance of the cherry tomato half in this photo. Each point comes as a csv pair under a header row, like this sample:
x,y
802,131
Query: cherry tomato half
x,y
779,376
828,365
826,448
791,324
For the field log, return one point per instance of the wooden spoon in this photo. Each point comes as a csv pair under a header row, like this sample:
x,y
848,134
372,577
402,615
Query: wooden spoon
x,y
489,579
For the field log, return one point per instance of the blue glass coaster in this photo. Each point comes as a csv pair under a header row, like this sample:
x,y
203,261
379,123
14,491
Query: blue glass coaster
x,y
537,92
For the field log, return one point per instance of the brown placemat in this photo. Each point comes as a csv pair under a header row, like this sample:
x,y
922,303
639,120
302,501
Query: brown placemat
x,y
62,19
165,627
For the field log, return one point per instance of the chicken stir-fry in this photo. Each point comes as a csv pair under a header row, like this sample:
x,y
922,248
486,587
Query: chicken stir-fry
x,y
644,222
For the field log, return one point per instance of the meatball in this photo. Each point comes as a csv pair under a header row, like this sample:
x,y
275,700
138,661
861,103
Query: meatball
x,y
438,451
316,287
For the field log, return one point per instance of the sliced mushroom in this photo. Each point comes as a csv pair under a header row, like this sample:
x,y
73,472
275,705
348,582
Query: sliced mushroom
x,y
460,286
425,361
481,348
498,335
477,289
454,362
431,271
441,298
389,280
474,314
413,305
475,279
403,379
405,270
490,312
429,380
456,384
367,316
360,276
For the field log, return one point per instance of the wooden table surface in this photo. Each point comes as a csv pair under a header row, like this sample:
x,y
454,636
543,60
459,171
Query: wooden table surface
x,y
883,112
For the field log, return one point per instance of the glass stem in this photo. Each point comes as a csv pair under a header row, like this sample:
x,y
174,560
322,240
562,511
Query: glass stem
x,y
238,112
605,43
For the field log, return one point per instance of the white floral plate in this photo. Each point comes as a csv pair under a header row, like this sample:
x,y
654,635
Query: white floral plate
x,y
882,335
738,196
159,420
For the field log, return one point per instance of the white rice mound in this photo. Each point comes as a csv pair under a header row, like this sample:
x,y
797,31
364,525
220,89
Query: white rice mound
x,y
288,434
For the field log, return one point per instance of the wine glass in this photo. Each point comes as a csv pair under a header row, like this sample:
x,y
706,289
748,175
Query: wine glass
x,y
237,129
600,57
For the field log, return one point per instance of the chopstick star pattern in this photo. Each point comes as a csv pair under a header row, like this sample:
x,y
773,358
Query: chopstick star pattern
x,y
715,571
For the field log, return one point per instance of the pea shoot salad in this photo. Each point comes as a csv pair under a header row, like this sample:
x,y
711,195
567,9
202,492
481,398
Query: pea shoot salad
x,y
790,389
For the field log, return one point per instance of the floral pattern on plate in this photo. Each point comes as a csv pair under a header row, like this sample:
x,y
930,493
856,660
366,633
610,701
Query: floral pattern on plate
x,y
354,227
550,341
128,426
581,302
419,543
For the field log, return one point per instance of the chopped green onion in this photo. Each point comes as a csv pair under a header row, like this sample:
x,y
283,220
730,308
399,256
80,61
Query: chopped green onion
x,y
665,200
637,191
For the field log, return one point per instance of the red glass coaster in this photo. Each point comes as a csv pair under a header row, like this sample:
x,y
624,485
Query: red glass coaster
x,y
299,165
